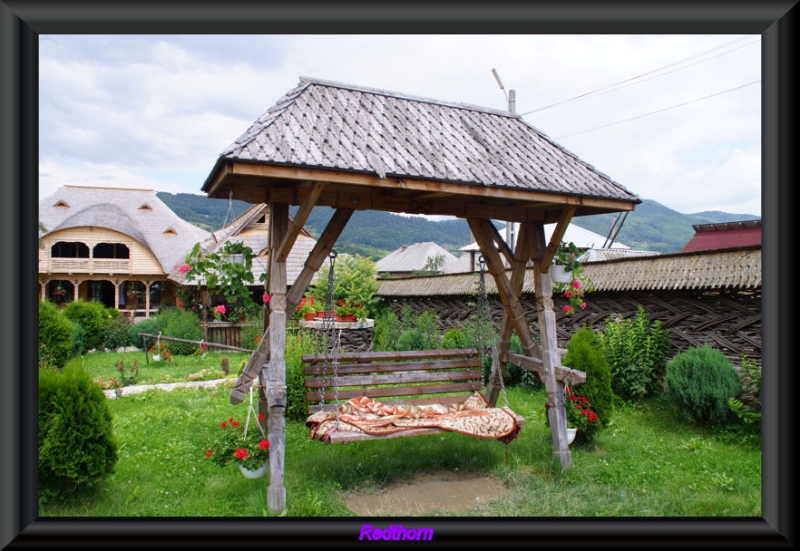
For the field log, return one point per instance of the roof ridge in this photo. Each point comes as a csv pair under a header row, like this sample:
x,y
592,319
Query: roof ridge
x,y
305,80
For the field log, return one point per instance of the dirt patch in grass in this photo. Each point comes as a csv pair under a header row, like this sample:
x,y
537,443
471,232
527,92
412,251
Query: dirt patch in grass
x,y
447,492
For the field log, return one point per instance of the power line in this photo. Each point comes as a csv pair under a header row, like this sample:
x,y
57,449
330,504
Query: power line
x,y
638,79
658,111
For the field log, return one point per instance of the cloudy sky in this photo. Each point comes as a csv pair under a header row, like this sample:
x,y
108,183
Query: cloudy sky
x,y
673,118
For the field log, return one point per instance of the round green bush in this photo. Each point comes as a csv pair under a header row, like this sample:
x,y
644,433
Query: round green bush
x,y
55,336
116,333
148,326
455,338
411,339
181,324
699,383
92,316
585,353
76,442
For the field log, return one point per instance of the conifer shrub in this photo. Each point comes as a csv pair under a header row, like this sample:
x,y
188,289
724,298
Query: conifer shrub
x,y
699,383
78,339
55,336
92,316
455,338
410,339
387,331
76,441
148,326
585,353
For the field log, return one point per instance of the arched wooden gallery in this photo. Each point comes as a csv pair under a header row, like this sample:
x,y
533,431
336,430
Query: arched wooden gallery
x,y
354,148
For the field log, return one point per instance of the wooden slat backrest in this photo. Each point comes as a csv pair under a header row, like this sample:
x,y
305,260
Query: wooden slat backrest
x,y
408,377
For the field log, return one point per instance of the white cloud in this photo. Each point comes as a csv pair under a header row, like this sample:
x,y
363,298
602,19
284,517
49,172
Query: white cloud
x,y
156,111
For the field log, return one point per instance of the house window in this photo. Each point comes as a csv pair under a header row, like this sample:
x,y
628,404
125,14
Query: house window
x,y
68,249
111,250
96,291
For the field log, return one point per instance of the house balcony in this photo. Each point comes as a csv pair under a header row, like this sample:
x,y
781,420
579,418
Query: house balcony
x,y
90,265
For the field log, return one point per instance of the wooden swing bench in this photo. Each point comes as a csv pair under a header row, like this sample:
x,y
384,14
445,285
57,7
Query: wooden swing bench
x,y
409,378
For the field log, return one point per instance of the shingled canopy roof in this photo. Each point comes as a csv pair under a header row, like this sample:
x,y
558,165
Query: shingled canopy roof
x,y
379,150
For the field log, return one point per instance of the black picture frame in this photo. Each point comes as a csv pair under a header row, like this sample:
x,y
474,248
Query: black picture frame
x,y
21,22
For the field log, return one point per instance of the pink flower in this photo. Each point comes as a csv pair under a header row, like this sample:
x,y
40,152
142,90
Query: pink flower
x,y
566,308
576,283
568,293
583,306
220,309
183,268
266,297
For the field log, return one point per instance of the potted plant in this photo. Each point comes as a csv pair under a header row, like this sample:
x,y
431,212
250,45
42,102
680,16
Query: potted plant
x,y
59,293
246,446
307,309
346,311
579,414
565,263
574,293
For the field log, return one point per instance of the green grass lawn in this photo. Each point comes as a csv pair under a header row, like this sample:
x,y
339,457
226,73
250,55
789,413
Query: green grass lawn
x,y
648,463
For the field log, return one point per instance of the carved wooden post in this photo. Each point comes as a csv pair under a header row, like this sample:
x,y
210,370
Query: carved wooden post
x,y
273,375
550,355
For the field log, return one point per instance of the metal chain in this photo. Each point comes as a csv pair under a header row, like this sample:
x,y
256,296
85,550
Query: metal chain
x,y
328,336
484,323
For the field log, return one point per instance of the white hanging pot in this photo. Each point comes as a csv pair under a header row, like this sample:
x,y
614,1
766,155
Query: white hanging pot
x,y
258,473
571,435
156,357
559,274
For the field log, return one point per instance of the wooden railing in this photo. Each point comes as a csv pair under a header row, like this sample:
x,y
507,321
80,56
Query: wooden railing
x,y
89,265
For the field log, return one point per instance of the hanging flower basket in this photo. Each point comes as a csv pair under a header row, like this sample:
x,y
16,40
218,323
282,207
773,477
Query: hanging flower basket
x,y
559,274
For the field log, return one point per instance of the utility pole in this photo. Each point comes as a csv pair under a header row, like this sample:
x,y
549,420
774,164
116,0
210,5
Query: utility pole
x,y
511,98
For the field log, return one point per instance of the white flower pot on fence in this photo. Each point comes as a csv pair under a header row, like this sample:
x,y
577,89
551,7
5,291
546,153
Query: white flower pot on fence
x,y
559,274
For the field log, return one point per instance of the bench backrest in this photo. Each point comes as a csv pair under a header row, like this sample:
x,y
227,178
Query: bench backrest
x,y
410,377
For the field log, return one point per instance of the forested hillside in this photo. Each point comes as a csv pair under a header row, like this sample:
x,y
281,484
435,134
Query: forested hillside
x,y
375,234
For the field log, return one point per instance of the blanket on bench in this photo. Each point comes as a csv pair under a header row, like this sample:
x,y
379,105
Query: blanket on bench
x,y
474,417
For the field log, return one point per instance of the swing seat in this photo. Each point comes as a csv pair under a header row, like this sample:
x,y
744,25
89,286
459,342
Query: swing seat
x,y
395,394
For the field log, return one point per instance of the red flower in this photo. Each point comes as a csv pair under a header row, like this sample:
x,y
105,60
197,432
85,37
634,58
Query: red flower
x,y
235,423
566,308
209,452
576,283
261,417
205,345
547,406
568,293
582,399
265,297
592,416
223,425
241,453
264,444
572,397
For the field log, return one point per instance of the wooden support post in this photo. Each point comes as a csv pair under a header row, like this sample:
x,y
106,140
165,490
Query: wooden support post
x,y
550,355
273,375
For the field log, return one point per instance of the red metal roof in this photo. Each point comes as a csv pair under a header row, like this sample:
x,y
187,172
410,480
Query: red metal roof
x,y
728,235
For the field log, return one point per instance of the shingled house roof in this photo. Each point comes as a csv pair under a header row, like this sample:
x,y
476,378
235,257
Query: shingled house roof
x,y
733,269
409,258
381,150
138,213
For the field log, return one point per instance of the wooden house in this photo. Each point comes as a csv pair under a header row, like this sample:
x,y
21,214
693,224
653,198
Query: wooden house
x,y
115,246
416,257
357,148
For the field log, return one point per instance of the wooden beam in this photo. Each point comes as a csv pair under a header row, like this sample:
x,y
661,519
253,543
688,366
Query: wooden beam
x,y
273,375
557,236
299,221
372,182
317,256
563,374
483,231
551,358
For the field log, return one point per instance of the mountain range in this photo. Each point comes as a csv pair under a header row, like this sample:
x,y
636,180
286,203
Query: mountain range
x,y
375,234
